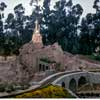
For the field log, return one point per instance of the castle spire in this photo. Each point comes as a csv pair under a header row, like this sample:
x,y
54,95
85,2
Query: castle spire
x,y
37,27
37,37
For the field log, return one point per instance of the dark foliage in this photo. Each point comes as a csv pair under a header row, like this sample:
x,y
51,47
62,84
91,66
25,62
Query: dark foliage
x,y
61,24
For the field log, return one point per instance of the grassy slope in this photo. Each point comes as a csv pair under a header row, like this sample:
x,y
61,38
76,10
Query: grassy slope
x,y
94,57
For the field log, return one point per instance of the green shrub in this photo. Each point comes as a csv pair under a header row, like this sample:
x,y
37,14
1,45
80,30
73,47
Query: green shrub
x,y
25,86
2,87
9,88
94,57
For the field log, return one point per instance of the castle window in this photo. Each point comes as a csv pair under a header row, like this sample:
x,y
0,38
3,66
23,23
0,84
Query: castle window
x,y
43,68
40,66
47,67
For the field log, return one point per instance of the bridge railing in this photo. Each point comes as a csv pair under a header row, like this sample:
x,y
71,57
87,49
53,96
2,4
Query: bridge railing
x,y
70,73
56,75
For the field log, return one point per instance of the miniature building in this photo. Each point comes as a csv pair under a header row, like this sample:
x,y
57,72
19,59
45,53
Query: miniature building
x,y
32,52
39,60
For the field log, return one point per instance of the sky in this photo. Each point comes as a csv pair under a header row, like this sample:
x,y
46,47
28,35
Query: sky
x,y
86,4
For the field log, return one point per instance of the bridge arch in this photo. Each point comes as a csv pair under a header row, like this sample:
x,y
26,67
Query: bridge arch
x,y
73,85
82,80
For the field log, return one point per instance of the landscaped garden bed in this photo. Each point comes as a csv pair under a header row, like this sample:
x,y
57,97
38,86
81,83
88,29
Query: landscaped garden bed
x,y
49,91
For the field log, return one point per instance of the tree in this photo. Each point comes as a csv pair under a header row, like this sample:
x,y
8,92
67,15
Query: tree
x,y
45,21
2,39
19,11
2,7
97,5
60,25
96,21
10,18
84,37
19,21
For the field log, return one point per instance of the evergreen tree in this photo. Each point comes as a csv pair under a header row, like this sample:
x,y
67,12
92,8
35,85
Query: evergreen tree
x,y
61,23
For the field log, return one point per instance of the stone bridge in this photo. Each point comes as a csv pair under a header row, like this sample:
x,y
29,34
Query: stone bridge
x,y
70,80
74,80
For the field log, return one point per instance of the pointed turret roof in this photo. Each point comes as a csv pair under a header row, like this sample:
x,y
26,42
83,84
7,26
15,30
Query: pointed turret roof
x,y
37,37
